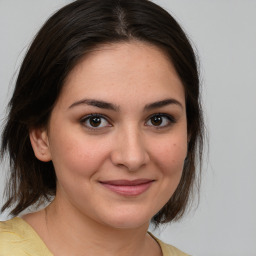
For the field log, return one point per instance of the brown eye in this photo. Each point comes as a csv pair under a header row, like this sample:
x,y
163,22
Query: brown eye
x,y
156,120
95,121
160,120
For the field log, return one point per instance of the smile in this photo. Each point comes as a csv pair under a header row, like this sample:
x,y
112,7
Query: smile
x,y
128,187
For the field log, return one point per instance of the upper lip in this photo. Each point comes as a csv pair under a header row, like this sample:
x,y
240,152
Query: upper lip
x,y
126,182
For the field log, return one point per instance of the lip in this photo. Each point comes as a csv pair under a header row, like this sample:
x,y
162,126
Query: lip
x,y
128,187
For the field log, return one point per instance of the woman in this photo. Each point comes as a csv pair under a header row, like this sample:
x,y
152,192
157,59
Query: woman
x,y
105,123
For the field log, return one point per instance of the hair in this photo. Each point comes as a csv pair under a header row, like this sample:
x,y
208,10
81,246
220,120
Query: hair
x,y
60,44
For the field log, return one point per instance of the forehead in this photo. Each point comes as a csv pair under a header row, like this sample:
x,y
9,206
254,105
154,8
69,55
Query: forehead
x,y
119,70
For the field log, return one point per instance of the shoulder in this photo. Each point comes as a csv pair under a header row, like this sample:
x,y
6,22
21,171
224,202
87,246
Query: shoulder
x,y
18,238
11,230
169,250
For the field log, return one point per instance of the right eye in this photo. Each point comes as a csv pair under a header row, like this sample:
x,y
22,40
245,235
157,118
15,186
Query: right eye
x,y
95,121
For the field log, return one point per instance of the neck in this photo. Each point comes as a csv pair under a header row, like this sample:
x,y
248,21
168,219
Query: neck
x,y
71,233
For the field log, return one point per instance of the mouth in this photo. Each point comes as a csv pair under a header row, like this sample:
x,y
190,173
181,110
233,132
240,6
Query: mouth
x,y
128,187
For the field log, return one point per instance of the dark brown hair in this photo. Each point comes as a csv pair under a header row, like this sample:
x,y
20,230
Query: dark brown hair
x,y
65,38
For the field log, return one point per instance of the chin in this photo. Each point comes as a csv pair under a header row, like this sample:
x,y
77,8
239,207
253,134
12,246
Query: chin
x,y
127,219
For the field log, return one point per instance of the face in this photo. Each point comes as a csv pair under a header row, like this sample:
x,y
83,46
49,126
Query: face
x,y
117,135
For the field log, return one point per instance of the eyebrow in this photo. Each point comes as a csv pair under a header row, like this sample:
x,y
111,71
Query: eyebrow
x,y
95,103
110,106
162,103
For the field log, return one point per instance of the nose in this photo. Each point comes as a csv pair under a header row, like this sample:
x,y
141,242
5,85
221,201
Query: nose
x,y
130,151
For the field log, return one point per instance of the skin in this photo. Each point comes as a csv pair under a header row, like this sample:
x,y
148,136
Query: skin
x,y
127,144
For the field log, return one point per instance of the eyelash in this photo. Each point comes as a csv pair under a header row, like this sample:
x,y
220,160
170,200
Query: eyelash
x,y
100,116
169,118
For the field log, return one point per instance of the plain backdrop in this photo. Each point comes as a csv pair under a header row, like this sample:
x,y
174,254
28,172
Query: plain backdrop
x,y
224,35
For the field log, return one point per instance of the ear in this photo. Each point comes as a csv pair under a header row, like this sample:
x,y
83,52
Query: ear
x,y
40,144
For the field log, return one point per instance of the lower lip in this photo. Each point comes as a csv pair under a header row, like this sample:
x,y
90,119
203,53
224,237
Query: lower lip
x,y
134,190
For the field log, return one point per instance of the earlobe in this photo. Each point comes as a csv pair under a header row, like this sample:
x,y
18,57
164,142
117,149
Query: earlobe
x,y
40,144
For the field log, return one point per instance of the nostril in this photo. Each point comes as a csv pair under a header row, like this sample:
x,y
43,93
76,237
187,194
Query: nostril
x,y
130,151
131,161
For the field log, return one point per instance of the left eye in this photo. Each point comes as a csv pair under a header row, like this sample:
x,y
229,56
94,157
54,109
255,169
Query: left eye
x,y
160,120
95,121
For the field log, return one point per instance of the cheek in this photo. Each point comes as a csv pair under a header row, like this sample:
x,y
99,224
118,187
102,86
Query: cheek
x,y
170,155
75,155
169,159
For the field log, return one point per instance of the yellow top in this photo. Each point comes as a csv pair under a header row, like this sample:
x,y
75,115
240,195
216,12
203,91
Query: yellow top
x,y
18,238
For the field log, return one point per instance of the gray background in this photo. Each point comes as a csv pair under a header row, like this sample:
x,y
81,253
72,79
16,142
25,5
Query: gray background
x,y
224,33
